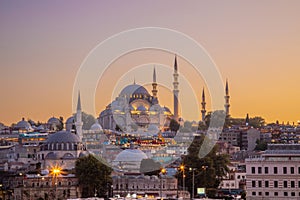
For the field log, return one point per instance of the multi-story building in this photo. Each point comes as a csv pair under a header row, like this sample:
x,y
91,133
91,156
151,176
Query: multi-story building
x,y
243,137
275,174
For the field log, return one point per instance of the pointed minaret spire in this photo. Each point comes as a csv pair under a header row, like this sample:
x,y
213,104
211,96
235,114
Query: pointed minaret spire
x,y
175,63
175,89
78,102
154,88
227,105
133,80
203,103
226,88
79,122
154,75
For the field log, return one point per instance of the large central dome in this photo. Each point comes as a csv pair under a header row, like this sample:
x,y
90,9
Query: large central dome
x,y
134,89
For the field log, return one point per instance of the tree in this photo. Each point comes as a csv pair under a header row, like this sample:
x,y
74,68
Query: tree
x,y
257,122
93,176
88,120
261,145
174,125
208,171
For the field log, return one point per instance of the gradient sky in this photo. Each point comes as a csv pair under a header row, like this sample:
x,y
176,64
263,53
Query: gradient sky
x,y
255,44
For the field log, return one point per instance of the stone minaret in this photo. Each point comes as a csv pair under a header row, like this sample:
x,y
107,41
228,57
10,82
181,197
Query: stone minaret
x,y
227,105
203,103
78,122
175,89
154,86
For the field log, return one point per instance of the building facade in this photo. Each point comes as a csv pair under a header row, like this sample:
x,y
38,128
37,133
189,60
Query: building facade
x,y
275,174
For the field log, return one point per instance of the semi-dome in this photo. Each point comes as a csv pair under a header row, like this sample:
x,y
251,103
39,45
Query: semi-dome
x,y
24,125
131,155
96,126
134,89
63,137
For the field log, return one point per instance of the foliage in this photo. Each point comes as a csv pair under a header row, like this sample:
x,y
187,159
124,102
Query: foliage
x,y
150,167
174,125
216,119
257,122
93,176
208,171
87,119
261,145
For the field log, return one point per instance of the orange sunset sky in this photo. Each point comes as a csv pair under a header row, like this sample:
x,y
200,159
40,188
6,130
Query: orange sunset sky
x,y
255,44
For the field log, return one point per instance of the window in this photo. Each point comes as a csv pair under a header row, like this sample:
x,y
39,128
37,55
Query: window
x,y
266,183
259,193
275,184
259,183
266,170
267,193
285,194
292,184
253,170
293,194
285,184
284,170
253,183
298,170
275,170
292,170
253,193
259,170
275,193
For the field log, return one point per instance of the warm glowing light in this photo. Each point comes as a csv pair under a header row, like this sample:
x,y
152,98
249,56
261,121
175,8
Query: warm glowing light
x,y
56,170
181,167
163,170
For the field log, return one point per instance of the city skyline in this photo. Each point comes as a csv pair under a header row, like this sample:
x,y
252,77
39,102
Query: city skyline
x,y
253,44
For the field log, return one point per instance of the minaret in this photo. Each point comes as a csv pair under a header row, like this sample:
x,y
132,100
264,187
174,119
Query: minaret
x,y
247,120
175,89
78,122
154,84
203,103
227,105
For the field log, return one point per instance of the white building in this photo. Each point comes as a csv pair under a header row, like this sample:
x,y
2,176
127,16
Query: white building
x,y
275,174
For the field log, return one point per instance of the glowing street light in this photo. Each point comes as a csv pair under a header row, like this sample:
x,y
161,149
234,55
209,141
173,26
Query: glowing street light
x,y
182,168
163,171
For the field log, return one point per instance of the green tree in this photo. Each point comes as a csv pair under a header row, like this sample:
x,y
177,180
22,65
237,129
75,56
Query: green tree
x,y
257,122
93,176
87,119
261,145
174,125
208,171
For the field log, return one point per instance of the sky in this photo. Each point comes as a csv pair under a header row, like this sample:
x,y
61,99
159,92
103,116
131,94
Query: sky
x,y
254,44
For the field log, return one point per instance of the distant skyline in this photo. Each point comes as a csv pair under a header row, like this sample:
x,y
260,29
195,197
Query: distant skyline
x,y
255,44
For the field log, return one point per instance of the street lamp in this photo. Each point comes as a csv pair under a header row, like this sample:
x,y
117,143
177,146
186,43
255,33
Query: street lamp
x,y
163,171
182,167
193,186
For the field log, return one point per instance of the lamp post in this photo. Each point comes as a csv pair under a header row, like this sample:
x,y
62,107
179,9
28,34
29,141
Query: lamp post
x,y
163,171
193,182
182,167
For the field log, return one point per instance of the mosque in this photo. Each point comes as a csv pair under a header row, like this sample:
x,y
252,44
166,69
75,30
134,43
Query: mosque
x,y
135,108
